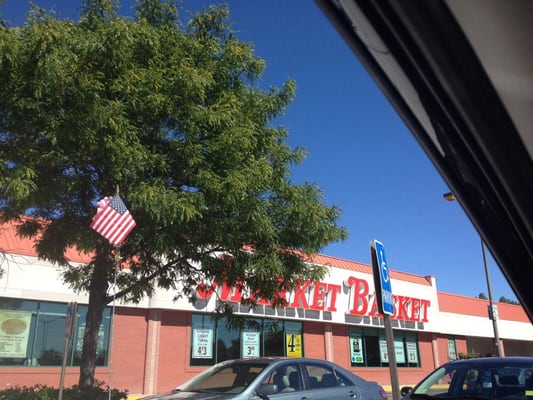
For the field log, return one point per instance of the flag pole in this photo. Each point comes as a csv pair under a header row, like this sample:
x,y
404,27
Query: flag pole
x,y
114,222
116,266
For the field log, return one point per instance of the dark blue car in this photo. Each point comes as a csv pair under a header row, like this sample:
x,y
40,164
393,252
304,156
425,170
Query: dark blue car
x,y
507,378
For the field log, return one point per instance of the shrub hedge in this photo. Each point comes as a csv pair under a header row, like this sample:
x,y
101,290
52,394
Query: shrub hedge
x,y
43,392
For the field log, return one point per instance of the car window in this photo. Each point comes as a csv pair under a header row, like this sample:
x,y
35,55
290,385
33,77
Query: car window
x,y
324,376
230,378
474,381
454,381
287,378
438,383
342,380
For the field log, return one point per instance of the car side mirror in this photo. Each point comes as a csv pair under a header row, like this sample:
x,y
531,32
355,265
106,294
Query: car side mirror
x,y
406,391
267,389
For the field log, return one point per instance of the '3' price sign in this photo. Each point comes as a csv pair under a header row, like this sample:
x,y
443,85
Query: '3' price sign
x,y
250,344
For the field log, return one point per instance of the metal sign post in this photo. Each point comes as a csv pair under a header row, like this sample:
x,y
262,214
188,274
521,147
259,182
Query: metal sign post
x,y
385,302
70,320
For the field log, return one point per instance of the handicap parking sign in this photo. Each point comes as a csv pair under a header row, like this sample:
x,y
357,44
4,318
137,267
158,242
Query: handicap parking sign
x,y
382,280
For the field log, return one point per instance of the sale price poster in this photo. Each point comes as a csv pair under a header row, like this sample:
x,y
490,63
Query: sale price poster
x,y
356,350
14,333
250,344
202,343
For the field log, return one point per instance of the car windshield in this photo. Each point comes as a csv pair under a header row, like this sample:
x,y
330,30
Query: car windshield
x,y
224,378
509,380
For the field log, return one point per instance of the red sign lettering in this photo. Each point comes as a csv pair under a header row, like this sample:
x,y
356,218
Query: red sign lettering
x,y
333,290
322,296
318,295
299,295
360,295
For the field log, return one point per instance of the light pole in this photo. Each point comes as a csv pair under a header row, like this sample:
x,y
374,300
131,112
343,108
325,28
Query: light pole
x,y
493,309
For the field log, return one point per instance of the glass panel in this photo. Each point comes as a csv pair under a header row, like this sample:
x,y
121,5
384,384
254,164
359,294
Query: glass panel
x,y
18,304
50,339
229,379
411,343
228,342
50,334
369,349
321,377
202,340
213,341
42,341
17,323
287,378
102,341
372,350
452,353
273,344
294,345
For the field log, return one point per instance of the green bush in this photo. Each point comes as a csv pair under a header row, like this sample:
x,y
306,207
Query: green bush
x,y
43,392
463,356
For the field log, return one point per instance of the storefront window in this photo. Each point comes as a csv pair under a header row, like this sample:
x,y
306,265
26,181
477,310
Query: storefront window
x,y
32,333
213,341
452,352
228,342
293,339
274,343
368,348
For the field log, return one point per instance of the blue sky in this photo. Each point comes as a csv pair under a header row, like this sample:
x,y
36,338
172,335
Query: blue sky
x,y
360,153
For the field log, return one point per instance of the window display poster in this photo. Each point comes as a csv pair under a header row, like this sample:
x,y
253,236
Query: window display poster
x,y
293,344
202,343
451,350
398,347
250,344
412,355
356,350
100,344
14,333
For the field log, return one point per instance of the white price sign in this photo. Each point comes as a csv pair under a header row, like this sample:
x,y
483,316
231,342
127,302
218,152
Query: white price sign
x,y
250,344
399,350
411,352
202,346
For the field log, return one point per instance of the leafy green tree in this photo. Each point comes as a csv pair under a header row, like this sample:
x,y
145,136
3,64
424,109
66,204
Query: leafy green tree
x,y
504,299
170,111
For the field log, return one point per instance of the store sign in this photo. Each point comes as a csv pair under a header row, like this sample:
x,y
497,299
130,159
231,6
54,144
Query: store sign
x,y
382,281
14,333
250,344
293,344
405,307
398,349
356,350
202,343
412,355
323,296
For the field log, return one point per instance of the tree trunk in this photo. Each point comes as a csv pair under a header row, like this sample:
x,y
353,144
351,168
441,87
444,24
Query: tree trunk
x,y
97,303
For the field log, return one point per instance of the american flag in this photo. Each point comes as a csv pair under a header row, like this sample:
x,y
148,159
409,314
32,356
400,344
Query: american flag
x,y
113,220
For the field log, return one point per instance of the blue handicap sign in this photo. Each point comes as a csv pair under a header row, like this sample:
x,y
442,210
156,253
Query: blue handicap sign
x,y
387,300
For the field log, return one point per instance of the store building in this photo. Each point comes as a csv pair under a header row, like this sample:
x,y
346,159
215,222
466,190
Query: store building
x,y
155,345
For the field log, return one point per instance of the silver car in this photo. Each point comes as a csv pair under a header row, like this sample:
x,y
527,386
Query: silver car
x,y
276,378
